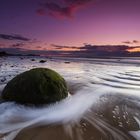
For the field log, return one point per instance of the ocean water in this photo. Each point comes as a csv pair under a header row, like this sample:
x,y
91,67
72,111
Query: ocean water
x,y
104,103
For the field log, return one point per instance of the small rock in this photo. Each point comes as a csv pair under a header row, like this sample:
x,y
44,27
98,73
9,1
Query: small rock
x,y
42,61
67,62
3,80
32,59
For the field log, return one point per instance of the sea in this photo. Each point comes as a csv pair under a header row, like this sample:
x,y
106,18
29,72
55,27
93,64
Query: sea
x,y
103,101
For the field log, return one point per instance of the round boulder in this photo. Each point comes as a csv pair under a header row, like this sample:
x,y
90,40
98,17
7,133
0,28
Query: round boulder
x,y
36,86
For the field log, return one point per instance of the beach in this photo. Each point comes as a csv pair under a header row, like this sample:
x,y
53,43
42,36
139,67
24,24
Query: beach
x,y
104,101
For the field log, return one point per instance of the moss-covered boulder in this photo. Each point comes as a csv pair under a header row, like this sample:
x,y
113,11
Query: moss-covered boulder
x,y
36,86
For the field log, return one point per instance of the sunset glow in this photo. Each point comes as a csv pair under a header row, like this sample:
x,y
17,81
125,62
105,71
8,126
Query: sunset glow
x,y
27,25
134,50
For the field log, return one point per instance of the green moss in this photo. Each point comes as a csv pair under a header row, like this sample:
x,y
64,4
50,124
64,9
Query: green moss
x,y
36,86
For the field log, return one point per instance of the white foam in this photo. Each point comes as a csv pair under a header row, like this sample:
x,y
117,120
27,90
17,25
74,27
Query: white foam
x,y
16,117
136,134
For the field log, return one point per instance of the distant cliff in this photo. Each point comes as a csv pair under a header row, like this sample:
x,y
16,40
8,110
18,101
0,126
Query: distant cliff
x,y
3,53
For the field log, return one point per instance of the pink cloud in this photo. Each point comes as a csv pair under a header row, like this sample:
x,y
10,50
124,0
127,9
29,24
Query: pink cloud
x,y
66,9
41,12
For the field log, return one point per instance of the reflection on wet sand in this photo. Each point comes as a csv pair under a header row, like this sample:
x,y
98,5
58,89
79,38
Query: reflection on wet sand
x,y
113,119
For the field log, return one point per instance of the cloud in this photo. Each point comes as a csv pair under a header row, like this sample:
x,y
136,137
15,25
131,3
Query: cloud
x,y
127,42
39,47
13,37
63,8
131,42
41,12
134,49
135,41
19,45
87,51
2,45
60,47
104,48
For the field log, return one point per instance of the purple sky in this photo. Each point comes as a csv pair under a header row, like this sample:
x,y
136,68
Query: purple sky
x,y
69,23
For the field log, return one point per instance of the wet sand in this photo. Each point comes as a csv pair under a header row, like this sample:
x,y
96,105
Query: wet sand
x,y
78,133
111,120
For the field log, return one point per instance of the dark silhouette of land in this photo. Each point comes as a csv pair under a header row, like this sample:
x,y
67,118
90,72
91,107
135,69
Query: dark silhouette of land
x,y
3,53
